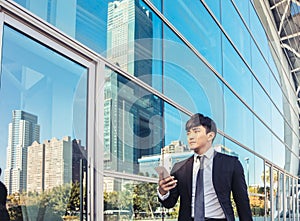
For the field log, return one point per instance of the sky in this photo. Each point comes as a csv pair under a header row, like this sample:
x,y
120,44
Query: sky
x,y
42,82
49,86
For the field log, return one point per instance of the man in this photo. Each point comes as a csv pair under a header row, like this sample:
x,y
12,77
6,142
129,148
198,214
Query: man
x,y
3,195
204,182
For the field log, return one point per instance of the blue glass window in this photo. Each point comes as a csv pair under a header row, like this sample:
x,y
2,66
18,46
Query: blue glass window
x,y
43,99
201,31
236,29
238,120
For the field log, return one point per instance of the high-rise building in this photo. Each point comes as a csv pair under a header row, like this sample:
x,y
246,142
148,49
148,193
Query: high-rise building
x,y
53,163
36,167
129,38
22,132
58,162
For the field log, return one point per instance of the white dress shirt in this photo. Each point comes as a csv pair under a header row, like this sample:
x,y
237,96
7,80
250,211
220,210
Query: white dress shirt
x,y
213,208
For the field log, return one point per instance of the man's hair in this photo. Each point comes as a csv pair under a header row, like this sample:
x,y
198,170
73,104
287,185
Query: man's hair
x,y
0,170
201,120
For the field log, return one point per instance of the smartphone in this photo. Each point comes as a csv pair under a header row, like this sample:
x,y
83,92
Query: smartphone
x,y
162,170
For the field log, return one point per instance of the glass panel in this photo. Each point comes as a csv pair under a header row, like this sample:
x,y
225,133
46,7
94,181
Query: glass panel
x,y
278,147
262,140
84,20
272,57
236,29
276,94
238,120
234,68
288,198
43,100
267,188
126,32
132,200
277,122
134,126
215,6
201,31
277,196
258,32
294,165
190,82
259,190
293,199
254,176
243,7
175,148
157,4
297,201
260,68
262,103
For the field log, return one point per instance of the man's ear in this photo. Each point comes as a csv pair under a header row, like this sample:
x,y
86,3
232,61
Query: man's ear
x,y
211,135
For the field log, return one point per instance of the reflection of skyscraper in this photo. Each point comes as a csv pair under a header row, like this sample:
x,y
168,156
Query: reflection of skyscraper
x,y
53,163
128,110
36,167
22,132
78,153
58,162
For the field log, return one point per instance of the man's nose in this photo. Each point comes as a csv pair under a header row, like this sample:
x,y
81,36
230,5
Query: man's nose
x,y
191,137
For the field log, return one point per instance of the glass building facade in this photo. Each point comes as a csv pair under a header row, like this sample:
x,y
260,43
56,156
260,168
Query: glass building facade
x,y
110,85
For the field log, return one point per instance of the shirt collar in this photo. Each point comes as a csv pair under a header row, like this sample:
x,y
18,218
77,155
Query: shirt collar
x,y
208,154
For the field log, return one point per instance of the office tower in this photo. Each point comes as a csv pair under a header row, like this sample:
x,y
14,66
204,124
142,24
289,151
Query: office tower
x,y
53,163
22,132
36,167
129,132
58,162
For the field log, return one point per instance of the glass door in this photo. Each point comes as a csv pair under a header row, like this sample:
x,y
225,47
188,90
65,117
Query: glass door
x,y
43,124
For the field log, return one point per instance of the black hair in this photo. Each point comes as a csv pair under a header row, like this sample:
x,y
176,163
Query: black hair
x,y
0,170
201,120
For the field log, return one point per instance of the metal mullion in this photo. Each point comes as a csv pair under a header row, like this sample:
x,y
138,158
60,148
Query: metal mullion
x,y
97,119
127,176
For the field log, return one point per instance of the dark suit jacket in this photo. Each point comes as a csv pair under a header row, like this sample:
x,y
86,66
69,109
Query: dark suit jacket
x,y
4,216
228,176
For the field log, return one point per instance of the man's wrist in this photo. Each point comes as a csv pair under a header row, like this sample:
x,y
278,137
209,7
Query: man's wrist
x,y
163,197
162,192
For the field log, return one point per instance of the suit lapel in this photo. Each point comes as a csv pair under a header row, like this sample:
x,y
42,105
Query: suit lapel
x,y
189,175
216,166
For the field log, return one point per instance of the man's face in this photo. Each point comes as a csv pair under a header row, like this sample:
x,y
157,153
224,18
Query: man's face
x,y
199,140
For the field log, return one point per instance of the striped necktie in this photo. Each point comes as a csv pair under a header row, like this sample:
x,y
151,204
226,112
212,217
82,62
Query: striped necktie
x,y
199,198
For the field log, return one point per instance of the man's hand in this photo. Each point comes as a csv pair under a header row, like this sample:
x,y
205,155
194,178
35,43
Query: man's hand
x,y
166,184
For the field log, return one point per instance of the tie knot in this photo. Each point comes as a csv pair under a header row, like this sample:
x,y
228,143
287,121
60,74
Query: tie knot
x,y
200,158
201,161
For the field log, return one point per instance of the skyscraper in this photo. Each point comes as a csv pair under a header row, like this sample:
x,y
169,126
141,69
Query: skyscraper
x,y
53,163
22,132
58,162
36,167
128,110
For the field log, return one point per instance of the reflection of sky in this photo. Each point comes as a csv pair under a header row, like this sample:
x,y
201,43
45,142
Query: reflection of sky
x,y
58,78
251,164
43,83
174,125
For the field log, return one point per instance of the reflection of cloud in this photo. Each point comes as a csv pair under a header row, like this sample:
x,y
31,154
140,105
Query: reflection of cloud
x,y
30,77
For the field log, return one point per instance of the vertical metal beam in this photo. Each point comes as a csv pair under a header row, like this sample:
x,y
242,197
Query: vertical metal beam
x,y
283,16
